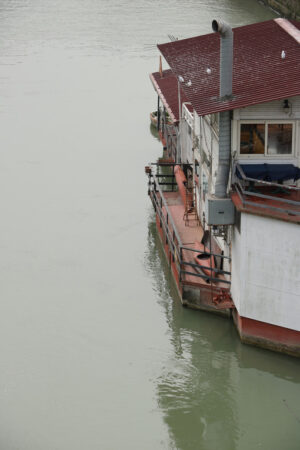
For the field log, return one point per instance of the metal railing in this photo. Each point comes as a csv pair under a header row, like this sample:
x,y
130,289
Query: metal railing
x,y
180,254
247,187
216,271
170,133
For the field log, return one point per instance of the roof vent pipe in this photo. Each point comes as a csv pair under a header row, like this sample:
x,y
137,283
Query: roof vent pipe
x,y
224,155
226,56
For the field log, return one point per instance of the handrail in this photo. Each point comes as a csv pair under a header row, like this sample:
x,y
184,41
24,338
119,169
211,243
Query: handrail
x,y
175,250
292,212
244,192
212,269
268,197
167,163
170,135
171,233
207,277
211,254
167,209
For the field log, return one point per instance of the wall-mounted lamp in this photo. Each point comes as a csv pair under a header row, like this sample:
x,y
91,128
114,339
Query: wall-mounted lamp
x,y
286,106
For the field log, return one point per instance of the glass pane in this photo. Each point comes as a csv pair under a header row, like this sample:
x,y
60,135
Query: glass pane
x,y
252,138
280,138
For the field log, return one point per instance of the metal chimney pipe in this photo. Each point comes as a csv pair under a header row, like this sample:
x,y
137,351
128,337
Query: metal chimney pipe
x,y
224,155
226,61
226,56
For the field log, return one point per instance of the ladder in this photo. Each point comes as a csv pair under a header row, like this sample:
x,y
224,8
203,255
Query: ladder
x,y
190,210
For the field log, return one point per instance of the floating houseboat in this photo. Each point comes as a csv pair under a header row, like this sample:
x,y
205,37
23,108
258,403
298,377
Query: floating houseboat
x,y
226,192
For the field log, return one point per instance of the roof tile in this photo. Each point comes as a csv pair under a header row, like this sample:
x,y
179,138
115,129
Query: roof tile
x,y
259,73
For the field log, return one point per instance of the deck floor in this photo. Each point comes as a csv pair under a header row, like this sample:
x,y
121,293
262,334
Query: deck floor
x,y
189,232
266,207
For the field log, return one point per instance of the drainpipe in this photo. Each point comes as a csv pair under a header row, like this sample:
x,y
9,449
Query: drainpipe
x,y
226,64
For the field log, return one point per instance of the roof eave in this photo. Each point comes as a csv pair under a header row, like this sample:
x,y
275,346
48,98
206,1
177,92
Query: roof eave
x,y
163,99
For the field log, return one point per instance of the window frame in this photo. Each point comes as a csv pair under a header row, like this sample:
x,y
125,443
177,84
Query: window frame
x,y
266,154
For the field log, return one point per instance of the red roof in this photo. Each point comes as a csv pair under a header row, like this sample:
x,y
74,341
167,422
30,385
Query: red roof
x,y
167,89
259,73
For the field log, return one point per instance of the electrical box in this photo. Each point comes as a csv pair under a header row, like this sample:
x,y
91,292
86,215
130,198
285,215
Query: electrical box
x,y
219,211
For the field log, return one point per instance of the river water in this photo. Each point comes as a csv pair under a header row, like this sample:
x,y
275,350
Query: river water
x,y
96,351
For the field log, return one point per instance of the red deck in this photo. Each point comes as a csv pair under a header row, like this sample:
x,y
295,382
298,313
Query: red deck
x,y
269,205
189,232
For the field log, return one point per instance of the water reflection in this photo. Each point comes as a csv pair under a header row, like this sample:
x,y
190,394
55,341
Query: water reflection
x,y
153,131
211,384
195,389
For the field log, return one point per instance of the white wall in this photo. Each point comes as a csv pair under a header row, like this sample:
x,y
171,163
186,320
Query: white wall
x,y
186,132
266,253
209,142
265,271
270,110
237,266
209,150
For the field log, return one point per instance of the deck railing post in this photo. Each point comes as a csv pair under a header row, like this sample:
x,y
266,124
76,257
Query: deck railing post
x,y
180,263
173,257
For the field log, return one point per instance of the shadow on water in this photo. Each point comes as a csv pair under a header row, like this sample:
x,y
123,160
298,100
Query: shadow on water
x,y
202,383
191,387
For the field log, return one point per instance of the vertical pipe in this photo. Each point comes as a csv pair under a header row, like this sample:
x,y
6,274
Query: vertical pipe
x,y
224,154
158,113
226,68
226,56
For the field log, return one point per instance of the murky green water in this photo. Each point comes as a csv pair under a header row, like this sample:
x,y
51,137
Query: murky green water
x,y
95,350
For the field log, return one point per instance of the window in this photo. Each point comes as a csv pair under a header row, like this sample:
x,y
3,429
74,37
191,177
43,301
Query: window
x,y
252,139
266,138
280,138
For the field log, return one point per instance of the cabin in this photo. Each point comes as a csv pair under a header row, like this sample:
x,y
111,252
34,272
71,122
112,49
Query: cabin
x,y
227,192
